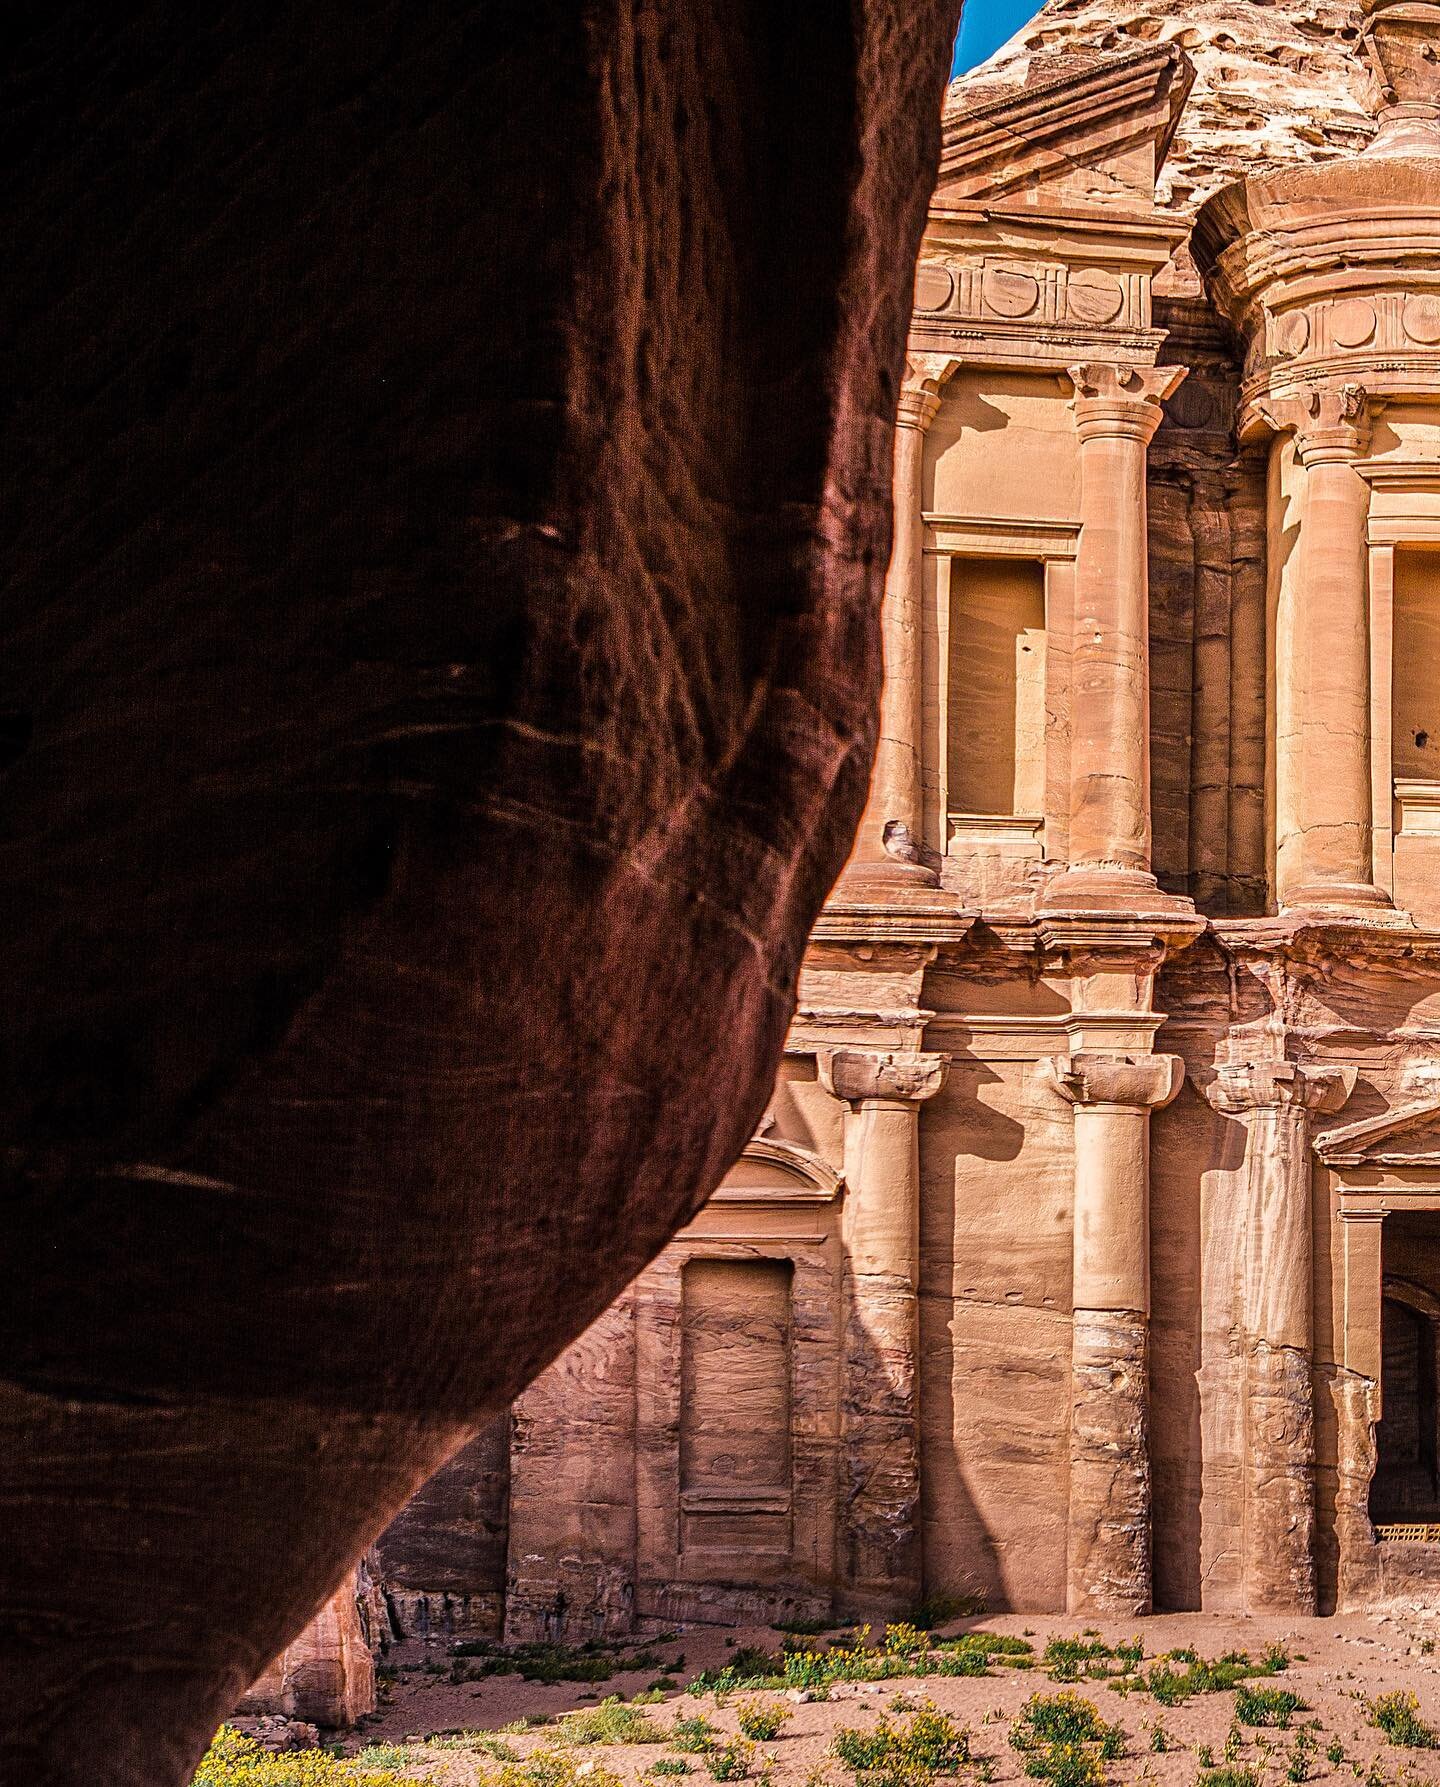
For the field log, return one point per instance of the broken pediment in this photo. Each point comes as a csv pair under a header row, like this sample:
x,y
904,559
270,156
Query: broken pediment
x,y
779,1172
1081,131
1407,1136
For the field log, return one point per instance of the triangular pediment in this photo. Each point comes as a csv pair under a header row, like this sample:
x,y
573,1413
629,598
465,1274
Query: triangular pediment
x,y
1092,132
1408,1135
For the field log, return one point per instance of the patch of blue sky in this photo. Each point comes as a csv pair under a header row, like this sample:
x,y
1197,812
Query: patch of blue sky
x,y
987,24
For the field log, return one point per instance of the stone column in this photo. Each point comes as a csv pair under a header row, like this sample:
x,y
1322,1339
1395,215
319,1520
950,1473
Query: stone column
x,y
1276,1100
1323,828
880,1402
1108,1565
1117,410
888,845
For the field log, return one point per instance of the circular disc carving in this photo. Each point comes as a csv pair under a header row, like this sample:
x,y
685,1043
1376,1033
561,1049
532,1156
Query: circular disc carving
x,y
1192,406
1292,333
1352,323
1093,297
934,287
1422,320
1008,292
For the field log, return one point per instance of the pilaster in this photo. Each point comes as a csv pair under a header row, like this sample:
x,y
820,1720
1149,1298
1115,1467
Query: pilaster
x,y
1211,718
880,1411
1108,1565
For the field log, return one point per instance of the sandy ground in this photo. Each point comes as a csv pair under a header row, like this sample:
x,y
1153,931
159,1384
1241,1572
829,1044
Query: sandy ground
x,y
1338,1665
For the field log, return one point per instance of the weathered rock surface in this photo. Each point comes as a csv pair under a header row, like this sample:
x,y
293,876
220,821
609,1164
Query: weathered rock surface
x,y
1276,81
446,500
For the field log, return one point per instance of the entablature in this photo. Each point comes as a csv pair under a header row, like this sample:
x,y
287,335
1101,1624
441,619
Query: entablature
x,y
1041,287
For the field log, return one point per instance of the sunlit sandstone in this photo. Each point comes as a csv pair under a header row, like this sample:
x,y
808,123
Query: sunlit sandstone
x,y
1088,1256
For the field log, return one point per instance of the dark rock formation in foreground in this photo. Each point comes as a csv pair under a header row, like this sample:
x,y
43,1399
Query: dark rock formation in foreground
x,y
445,508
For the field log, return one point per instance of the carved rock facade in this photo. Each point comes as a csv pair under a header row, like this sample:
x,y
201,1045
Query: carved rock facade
x,y
1089,1254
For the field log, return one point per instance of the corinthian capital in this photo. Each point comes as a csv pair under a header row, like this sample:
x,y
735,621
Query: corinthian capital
x,y
1243,1087
1121,400
1329,422
1138,1082
859,1075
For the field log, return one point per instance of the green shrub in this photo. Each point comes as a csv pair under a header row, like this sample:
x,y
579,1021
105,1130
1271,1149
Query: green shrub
x,y
963,1661
904,1640
1066,1765
670,1765
552,1768
904,1750
1172,1686
1062,1719
613,1721
730,1761
539,1662
1065,1741
476,1743
1068,1659
1267,1706
1230,1777
693,1736
750,1661
994,1644
236,1761
805,1628
1398,1716
761,1719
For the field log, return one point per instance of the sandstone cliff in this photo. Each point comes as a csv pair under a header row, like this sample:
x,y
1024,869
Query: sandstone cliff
x,y
1276,81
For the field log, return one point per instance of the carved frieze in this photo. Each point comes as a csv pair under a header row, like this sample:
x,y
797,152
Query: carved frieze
x,y
1048,293
1387,327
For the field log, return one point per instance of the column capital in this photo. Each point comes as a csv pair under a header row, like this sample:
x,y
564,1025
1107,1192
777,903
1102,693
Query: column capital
x,y
866,1076
1331,423
1132,1082
1241,1088
925,378
1121,402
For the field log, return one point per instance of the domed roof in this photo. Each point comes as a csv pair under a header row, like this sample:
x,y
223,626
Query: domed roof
x,y
1277,82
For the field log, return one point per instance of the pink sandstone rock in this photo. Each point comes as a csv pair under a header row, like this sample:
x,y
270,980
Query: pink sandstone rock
x,y
446,504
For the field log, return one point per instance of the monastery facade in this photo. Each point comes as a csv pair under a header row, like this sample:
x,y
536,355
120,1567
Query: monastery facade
x,y
1088,1255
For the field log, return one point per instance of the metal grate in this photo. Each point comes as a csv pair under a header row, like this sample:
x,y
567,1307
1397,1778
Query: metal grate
x,y
1423,1534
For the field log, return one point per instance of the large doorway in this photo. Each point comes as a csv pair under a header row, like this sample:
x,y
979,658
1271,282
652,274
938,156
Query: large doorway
x,y
1405,1490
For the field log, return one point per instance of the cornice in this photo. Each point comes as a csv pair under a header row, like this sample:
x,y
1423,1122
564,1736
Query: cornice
x,y
1310,938
912,922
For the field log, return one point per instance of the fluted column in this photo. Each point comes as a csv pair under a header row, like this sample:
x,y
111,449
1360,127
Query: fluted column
x,y
1323,815
888,845
1108,1562
1276,1100
1117,410
880,1403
